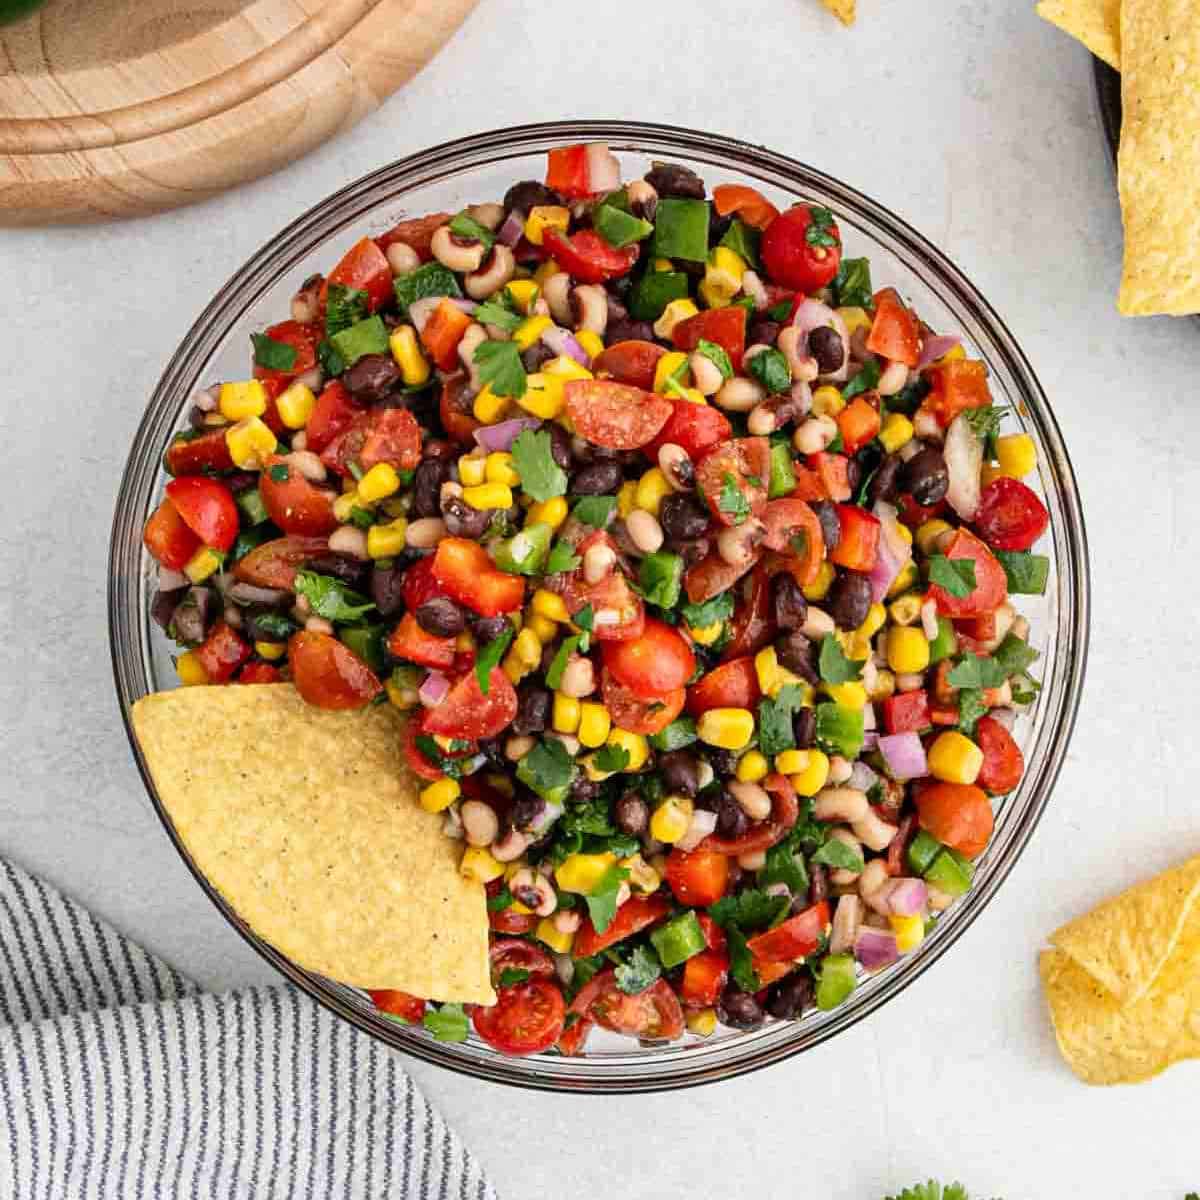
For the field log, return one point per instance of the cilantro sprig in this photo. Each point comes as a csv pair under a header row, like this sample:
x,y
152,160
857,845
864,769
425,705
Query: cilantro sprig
x,y
955,576
833,664
273,355
732,499
501,369
541,477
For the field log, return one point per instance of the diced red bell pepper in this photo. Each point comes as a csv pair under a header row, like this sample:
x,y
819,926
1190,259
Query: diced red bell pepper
x,y
567,171
222,652
725,326
636,914
991,583
333,413
796,938
906,712
409,641
859,424
858,545
704,976
442,333
809,485
365,267
746,202
469,576
470,713
894,332
833,470
586,256
957,386
697,877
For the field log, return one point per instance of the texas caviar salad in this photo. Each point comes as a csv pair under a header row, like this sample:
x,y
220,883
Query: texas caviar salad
x,y
689,552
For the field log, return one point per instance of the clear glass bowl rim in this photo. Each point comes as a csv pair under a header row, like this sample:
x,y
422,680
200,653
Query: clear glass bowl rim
x,y
127,625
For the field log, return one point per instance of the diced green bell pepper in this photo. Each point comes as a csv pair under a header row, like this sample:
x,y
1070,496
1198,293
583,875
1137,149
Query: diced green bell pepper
x,y
743,241
251,503
783,477
835,981
681,732
922,850
364,337
367,642
654,291
945,644
660,577
678,939
840,728
618,226
247,540
950,872
525,552
681,229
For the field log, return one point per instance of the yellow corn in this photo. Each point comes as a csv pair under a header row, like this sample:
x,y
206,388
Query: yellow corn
x,y
671,819
386,541
626,498
896,431
722,277
249,442
814,776
527,648
906,579
771,676
490,408
545,271
544,629
702,1021
929,533
380,482
652,489
498,468
707,634
954,758
552,936
406,352
885,685
827,401
1016,454
345,504
565,714
550,604
530,330
591,342
634,744
203,563
270,650
544,396
565,367
855,319
854,645
907,650
906,609
524,293
666,367
819,588
190,670
729,728
594,725
552,512
906,533
488,495
295,405
850,694
241,400
954,354
514,669
582,872
676,311
641,874
753,766
791,762
909,931
472,469
478,864
875,618
543,217
439,796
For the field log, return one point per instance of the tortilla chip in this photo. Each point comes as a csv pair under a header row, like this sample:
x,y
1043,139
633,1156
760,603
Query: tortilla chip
x,y
1159,161
1096,23
844,10
1125,942
307,822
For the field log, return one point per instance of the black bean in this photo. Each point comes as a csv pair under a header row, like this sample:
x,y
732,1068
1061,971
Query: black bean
x,y
926,477
600,479
441,617
560,445
193,615
488,629
671,179
492,750
831,527
732,821
885,483
849,600
533,708
680,772
527,809
164,606
826,346
428,478
739,1010
464,521
622,329
371,378
197,417
798,655
762,332
691,550
529,193
583,790
788,605
631,814
351,571
616,301
718,227
387,590
804,728
790,996
723,762
440,450
536,357
682,517
853,474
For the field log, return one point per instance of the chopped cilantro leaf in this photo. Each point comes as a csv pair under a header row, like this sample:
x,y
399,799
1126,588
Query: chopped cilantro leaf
x,y
1015,655
751,910
430,279
493,313
562,558
717,356
771,369
547,766
732,500
835,853
955,576
602,899
820,231
700,616
561,658
638,971
279,473
447,1023
775,733
500,368
273,355
864,381
611,759
463,225
784,866
490,657
501,900
835,667
595,510
977,671
511,976
344,306
541,477
852,285
970,708
331,598
780,311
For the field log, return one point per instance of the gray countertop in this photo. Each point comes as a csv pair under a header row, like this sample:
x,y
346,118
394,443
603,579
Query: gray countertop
x,y
975,123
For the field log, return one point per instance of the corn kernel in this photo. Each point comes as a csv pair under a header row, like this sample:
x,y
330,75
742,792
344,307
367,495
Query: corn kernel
x,y
725,259
814,776
594,724
488,495
205,562
552,512
550,934
634,744
652,489
753,766
954,758
907,650
565,367
582,872
344,506
676,311
906,610
954,354
906,579
530,330
729,728
479,865
527,647
850,694
544,629
592,343
876,616
514,669
565,715
896,431
791,762
666,366
190,670
884,686
241,400
766,667
498,468
439,796
249,442
909,931
380,482
295,405
855,645
929,533
702,1021
855,319
707,634
406,353
626,499
827,401
905,533
551,605
671,819
488,407
819,588
524,293
722,277
1016,454
641,874
386,541
472,469
544,396
270,650
543,217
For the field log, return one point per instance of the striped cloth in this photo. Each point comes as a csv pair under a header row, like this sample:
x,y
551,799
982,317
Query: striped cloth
x,y
120,1080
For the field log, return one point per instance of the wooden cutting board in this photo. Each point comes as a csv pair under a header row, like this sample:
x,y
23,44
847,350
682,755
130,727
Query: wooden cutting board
x,y
116,108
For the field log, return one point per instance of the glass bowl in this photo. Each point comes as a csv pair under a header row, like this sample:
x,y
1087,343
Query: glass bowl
x,y
482,168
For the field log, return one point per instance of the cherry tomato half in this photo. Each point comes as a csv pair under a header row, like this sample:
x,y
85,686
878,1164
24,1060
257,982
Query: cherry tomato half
x,y
1003,762
991,584
636,914
657,662
207,508
894,332
383,435
302,339
188,455
615,415
274,564
632,362
731,685
328,674
617,612
293,502
733,479
631,712
725,326
365,267
526,1018
793,528
695,427
514,954
958,814
333,413
168,537
800,253
467,713
222,652
409,1009
468,575
1010,515
655,1013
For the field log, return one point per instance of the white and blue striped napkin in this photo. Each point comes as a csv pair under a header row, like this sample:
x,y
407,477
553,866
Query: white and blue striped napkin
x,y
120,1080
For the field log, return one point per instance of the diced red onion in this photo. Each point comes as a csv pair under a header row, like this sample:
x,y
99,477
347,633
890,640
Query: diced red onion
x,y
564,968
868,719
964,459
603,170
906,897
862,778
801,397
562,341
171,581
419,311
929,619
1004,716
937,347
463,305
703,823
870,740
312,379
904,756
812,314
433,691
847,918
754,287
894,552
875,948
509,234
502,435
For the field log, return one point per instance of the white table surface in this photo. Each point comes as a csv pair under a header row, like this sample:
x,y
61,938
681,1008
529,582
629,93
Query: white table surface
x,y
975,122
